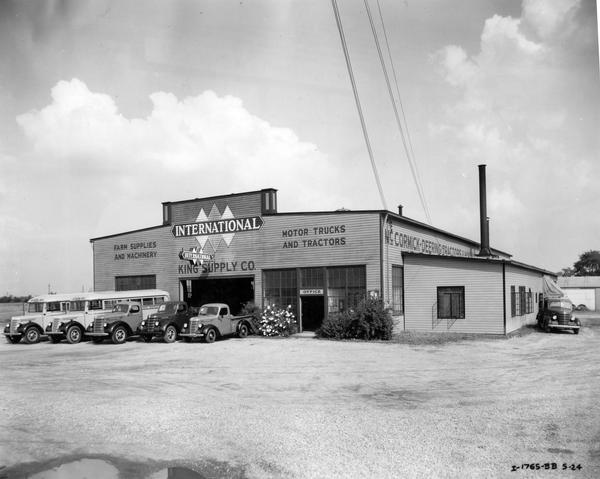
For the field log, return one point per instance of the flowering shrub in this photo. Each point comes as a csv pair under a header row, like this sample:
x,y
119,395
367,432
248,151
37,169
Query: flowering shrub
x,y
276,321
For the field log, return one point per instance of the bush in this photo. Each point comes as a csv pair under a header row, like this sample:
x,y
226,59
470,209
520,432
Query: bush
x,y
370,320
250,308
336,326
276,321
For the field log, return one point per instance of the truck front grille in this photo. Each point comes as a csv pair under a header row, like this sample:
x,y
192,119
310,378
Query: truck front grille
x,y
55,323
13,325
98,325
194,325
148,327
563,318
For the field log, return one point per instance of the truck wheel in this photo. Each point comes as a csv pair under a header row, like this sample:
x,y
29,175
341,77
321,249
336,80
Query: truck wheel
x,y
243,331
32,335
210,336
119,335
74,334
170,334
55,339
13,339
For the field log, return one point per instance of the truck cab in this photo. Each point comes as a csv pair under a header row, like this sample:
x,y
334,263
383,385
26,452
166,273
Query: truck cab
x,y
118,325
557,314
215,320
167,322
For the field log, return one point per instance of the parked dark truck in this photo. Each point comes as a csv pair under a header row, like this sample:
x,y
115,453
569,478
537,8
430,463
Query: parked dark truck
x,y
557,313
215,320
119,324
167,322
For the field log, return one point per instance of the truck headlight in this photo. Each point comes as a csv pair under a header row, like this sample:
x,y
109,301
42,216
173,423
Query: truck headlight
x,y
185,325
554,317
200,326
156,323
143,323
105,324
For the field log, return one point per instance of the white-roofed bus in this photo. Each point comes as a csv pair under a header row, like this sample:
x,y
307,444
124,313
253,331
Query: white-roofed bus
x,y
66,316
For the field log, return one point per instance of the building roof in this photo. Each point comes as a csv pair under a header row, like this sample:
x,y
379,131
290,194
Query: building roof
x,y
579,281
485,259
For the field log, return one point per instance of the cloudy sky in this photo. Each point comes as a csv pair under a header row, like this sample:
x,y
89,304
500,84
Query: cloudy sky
x,y
110,107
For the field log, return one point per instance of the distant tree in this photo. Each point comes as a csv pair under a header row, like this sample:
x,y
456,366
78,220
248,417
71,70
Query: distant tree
x,y
566,272
588,264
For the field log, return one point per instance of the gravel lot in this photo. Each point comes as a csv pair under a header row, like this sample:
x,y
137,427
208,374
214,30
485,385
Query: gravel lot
x,y
306,408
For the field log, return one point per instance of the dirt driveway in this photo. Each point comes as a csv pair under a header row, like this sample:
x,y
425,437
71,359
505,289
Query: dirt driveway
x,y
306,408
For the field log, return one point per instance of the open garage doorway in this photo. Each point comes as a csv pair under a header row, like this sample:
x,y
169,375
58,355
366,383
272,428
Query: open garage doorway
x,y
313,312
233,291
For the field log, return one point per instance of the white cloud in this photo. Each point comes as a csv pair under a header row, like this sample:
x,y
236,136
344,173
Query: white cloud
x,y
518,112
93,172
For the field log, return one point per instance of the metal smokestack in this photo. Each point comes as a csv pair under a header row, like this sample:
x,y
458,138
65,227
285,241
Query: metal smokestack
x,y
483,219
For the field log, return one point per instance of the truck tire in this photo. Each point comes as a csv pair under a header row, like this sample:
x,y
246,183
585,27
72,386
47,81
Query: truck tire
x,y
119,335
13,339
210,336
170,335
243,330
32,335
74,334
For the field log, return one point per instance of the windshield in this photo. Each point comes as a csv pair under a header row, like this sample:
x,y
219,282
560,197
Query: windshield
x,y
208,310
121,308
167,308
560,305
36,307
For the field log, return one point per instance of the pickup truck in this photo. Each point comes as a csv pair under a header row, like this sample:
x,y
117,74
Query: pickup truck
x,y
215,320
557,314
167,322
119,324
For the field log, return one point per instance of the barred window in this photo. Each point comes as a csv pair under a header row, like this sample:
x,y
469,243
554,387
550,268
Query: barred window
x,y
127,283
451,302
513,302
522,300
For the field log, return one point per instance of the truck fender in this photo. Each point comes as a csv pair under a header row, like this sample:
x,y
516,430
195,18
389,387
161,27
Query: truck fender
x,y
68,324
26,326
111,327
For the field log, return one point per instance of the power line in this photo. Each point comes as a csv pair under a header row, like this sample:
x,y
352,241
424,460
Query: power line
x,y
408,150
357,100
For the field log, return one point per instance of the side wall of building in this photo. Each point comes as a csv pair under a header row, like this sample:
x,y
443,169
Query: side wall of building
x,y
532,282
482,282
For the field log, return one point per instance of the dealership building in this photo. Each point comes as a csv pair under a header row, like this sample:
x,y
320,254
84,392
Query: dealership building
x,y
239,248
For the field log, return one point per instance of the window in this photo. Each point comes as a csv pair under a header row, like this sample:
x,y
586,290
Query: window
x,y
529,301
346,287
147,301
451,302
397,289
280,288
522,300
513,302
95,304
77,306
127,283
312,278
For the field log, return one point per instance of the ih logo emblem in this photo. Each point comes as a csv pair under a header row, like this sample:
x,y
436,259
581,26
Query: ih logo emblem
x,y
216,227
194,256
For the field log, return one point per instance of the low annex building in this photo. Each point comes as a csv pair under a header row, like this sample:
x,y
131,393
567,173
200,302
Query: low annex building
x,y
238,248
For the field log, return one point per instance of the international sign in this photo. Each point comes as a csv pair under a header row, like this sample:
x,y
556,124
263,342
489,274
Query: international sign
x,y
217,227
194,256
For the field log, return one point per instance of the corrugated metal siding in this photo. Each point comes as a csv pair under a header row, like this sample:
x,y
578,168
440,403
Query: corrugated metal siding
x,y
516,277
483,294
